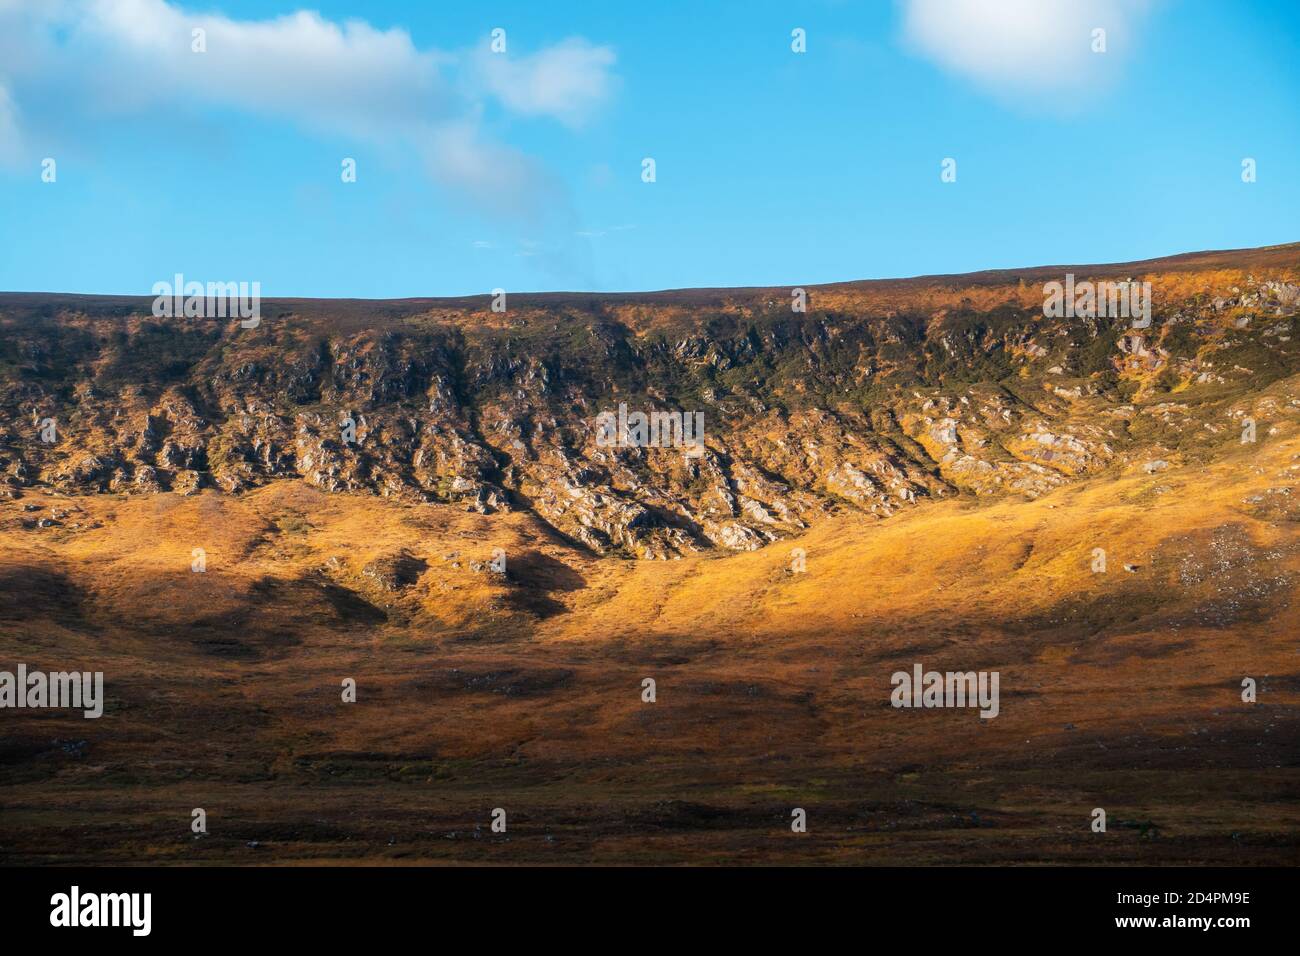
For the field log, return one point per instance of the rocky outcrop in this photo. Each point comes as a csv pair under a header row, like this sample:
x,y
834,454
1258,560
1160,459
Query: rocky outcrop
x,y
857,404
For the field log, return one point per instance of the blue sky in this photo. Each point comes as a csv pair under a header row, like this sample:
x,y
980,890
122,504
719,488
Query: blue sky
x,y
522,170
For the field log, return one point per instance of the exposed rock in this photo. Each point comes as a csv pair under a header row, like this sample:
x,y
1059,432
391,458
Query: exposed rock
x,y
875,409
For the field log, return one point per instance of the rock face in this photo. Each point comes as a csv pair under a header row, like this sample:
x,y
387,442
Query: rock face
x,y
877,398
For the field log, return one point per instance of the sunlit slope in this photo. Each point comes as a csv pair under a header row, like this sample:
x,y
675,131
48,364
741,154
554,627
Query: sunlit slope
x,y
1119,689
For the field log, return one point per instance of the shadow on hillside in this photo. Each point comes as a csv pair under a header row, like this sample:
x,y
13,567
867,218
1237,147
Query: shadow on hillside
x,y
30,593
535,577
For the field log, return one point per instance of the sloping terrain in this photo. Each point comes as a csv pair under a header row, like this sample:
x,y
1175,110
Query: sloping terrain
x,y
915,471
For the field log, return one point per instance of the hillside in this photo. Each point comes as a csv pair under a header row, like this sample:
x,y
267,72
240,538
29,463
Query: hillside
x,y
914,471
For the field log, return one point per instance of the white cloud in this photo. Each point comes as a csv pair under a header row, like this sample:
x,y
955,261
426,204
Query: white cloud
x,y
300,66
495,176
9,143
567,81
1026,48
115,57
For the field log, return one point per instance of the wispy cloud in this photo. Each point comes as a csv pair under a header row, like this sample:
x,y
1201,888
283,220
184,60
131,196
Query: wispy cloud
x,y
8,127
600,233
568,81
349,79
